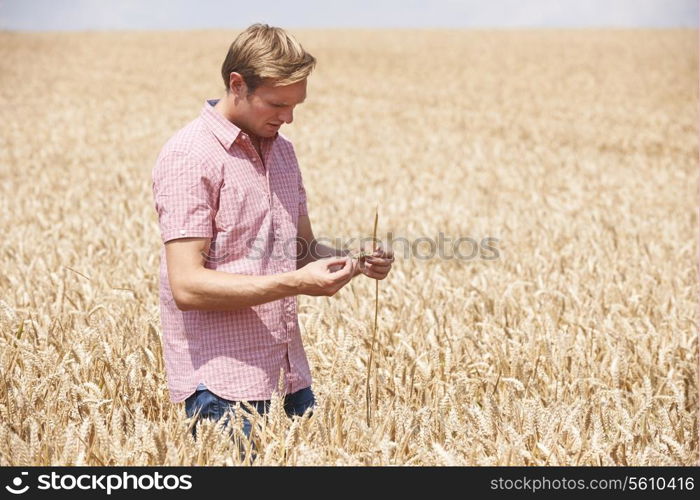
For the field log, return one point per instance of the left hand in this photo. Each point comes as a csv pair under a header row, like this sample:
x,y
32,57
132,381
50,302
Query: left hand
x,y
378,264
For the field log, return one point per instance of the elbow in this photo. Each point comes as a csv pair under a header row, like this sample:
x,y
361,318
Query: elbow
x,y
183,302
183,306
183,297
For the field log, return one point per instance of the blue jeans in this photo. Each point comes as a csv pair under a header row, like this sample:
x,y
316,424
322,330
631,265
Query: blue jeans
x,y
213,407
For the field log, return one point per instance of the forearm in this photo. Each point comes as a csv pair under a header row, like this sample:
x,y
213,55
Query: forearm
x,y
210,290
318,251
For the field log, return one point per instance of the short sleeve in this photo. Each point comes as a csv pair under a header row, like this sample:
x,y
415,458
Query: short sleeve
x,y
185,195
303,209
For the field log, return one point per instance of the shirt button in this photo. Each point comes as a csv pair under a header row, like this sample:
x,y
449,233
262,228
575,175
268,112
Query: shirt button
x,y
182,232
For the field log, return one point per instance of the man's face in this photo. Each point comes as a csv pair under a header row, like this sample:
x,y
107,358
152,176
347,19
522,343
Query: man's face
x,y
264,111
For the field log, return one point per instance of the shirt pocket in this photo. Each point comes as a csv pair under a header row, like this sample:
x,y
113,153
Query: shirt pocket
x,y
241,223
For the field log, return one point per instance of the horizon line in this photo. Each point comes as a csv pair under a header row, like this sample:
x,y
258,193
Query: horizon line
x,y
358,28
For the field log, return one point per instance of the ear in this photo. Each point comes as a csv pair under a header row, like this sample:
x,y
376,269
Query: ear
x,y
237,85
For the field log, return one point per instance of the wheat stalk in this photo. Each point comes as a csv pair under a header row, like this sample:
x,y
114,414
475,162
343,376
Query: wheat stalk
x,y
368,395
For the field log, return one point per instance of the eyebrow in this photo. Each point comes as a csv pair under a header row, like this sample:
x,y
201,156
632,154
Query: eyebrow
x,y
285,104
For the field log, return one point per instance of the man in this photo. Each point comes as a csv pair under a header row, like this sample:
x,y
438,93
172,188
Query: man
x,y
230,198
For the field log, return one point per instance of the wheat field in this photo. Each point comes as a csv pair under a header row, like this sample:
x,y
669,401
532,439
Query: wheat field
x,y
577,151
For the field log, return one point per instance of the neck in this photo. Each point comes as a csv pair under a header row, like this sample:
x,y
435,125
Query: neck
x,y
226,108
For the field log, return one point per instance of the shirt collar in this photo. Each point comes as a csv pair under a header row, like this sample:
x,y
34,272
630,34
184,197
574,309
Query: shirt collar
x,y
224,130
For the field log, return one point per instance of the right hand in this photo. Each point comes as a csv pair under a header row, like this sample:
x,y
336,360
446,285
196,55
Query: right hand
x,y
327,276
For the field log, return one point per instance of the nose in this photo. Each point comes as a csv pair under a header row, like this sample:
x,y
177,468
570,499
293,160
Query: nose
x,y
287,116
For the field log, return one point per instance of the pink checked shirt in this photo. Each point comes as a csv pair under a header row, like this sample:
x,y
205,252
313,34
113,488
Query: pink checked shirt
x,y
209,181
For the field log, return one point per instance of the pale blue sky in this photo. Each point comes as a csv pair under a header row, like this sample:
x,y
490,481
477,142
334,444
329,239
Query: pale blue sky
x,y
40,15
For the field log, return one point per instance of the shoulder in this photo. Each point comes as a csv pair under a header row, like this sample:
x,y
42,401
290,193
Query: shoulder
x,y
193,140
188,149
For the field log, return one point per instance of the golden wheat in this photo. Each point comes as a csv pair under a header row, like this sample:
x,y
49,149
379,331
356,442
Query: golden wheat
x,y
576,149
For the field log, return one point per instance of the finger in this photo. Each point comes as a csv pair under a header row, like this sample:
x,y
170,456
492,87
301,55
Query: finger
x,y
345,281
389,255
378,268
335,261
383,254
346,272
340,284
339,259
378,272
374,274
379,261
353,268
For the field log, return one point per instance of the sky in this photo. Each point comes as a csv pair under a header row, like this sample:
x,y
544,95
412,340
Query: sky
x,y
49,15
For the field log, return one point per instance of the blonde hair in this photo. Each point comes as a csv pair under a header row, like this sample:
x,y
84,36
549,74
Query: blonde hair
x,y
264,52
